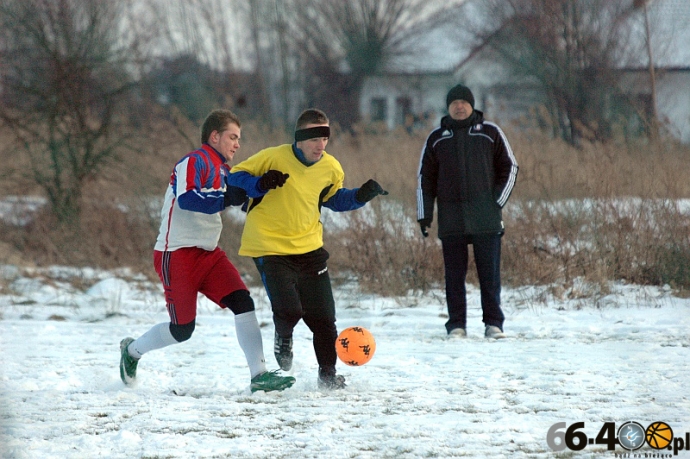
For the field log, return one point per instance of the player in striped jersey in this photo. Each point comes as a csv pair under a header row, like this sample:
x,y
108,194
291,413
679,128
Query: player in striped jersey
x,y
188,260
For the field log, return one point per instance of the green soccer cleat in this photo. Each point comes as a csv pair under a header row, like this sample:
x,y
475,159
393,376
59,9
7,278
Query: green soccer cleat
x,y
270,380
128,364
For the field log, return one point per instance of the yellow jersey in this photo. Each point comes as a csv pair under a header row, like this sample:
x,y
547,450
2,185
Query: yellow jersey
x,y
287,220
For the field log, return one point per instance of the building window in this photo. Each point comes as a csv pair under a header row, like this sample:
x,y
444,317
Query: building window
x,y
378,111
403,111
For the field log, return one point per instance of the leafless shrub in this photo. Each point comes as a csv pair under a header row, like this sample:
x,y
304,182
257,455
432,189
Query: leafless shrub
x,y
598,213
640,241
384,252
107,237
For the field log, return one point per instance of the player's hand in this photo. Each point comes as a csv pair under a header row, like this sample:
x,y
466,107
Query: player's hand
x,y
272,180
234,196
369,191
424,224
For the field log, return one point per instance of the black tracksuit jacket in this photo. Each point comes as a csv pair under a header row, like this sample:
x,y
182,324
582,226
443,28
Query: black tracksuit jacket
x,y
468,168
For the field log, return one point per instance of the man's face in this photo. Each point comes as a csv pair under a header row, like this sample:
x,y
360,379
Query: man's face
x,y
460,109
313,148
226,142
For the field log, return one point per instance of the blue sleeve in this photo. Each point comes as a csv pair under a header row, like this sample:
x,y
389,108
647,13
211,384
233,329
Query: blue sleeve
x,y
343,200
247,182
206,203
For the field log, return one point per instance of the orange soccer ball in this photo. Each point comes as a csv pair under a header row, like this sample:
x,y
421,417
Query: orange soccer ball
x,y
355,346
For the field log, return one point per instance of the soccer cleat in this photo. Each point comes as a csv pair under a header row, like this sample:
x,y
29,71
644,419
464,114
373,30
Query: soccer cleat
x,y
457,333
128,364
328,379
282,349
494,332
270,381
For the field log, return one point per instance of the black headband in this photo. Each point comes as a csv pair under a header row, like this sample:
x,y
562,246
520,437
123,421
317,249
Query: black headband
x,y
312,133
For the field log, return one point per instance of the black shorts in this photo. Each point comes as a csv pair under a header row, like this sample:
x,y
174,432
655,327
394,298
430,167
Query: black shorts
x,y
298,287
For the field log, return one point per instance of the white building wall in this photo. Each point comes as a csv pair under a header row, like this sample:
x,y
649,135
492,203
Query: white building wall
x,y
503,103
673,102
427,95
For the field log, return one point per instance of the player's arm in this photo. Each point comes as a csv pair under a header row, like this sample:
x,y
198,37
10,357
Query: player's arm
x,y
506,168
248,182
258,186
191,173
427,178
343,200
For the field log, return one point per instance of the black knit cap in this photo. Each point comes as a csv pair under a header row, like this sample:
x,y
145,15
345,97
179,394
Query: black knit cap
x,y
460,92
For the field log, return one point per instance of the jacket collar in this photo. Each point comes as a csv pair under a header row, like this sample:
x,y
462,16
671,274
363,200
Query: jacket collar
x,y
476,117
210,150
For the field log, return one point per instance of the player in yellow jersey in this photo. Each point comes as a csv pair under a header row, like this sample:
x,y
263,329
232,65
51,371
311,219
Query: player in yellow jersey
x,y
287,186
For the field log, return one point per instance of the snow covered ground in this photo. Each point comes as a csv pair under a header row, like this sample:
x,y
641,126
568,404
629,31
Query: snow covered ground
x,y
624,357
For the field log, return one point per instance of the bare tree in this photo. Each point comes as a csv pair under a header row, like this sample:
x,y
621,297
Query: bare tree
x,y
209,32
63,78
302,52
203,28
319,52
272,59
572,49
654,124
343,42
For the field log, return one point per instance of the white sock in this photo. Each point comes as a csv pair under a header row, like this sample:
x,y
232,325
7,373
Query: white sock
x,y
249,337
157,337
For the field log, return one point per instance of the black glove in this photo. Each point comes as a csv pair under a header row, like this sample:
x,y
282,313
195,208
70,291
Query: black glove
x,y
272,180
234,196
369,191
424,224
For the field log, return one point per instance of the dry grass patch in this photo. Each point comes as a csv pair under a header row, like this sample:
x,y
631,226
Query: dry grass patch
x,y
602,212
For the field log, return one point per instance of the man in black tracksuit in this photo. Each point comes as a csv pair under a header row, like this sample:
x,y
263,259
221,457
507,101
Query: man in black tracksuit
x,y
468,168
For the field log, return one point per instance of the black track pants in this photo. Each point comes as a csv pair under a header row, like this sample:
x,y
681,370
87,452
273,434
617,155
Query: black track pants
x,y
299,287
487,257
